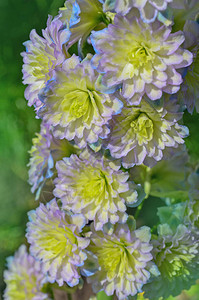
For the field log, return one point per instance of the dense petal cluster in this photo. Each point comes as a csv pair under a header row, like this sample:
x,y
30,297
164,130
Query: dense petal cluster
x,y
42,55
95,187
140,134
123,257
46,150
148,8
176,255
23,278
73,105
55,239
144,60
110,80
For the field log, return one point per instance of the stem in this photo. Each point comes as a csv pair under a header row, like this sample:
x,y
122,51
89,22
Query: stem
x,y
138,210
102,296
69,296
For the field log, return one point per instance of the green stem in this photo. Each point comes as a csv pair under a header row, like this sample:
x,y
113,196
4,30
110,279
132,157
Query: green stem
x,y
69,296
138,210
102,296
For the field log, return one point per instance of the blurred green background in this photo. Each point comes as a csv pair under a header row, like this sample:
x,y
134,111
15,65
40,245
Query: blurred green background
x,y
18,124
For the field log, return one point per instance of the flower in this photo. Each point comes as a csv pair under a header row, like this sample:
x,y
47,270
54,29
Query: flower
x,y
55,239
42,55
23,277
46,150
176,255
141,134
94,186
74,106
148,8
124,256
144,60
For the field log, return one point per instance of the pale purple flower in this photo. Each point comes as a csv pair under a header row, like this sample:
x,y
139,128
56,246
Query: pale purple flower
x,y
140,58
23,278
124,258
74,106
94,186
55,239
142,133
42,55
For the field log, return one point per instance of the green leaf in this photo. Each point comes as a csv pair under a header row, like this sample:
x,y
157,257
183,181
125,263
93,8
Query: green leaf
x,y
172,215
102,296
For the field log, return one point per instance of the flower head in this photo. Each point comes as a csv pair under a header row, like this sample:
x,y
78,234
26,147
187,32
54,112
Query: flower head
x,y
148,8
46,150
176,255
42,55
74,106
141,133
95,187
144,60
55,239
23,277
123,257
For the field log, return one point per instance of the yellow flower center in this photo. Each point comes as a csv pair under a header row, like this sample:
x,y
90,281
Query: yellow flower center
x,y
91,184
143,128
140,55
57,241
114,258
79,107
175,263
22,286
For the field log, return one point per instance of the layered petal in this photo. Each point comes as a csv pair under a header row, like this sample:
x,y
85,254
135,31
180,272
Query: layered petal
x,y
145,131
141,52
23,278
74,106
95,187
42,55
123,257
55,239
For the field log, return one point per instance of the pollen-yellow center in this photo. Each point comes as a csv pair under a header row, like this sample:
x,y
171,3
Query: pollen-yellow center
x,y
22,286
140,55
142,126
114,258
91,184
79,107
58,241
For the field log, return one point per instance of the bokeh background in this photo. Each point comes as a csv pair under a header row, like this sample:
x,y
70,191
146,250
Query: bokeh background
x,y
18,124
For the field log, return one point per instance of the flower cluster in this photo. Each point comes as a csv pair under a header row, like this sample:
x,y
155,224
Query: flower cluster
x,y
110,81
